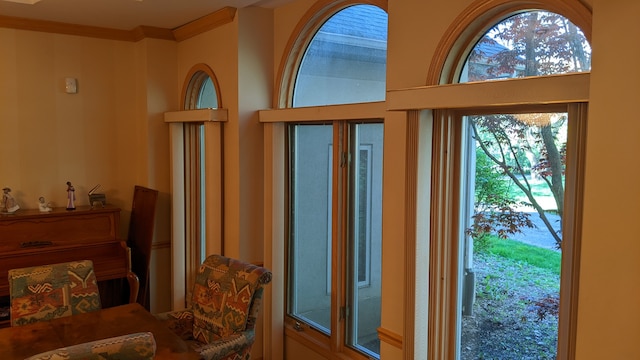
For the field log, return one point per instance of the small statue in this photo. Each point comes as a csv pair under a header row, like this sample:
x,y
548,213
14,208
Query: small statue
x,y
71,196
9,204
43,205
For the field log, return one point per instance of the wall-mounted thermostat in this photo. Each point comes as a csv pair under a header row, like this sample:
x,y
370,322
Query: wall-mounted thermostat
x,y
71,85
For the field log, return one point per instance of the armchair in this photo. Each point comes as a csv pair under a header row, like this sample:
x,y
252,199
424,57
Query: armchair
x,y
51,291
138,346
220,323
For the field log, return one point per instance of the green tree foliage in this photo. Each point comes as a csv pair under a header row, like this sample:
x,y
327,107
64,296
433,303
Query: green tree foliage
x,y
529,44
495,212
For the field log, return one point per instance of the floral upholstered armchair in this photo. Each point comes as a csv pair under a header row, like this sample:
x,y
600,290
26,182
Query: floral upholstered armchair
x,y
52,291
220,324
138,346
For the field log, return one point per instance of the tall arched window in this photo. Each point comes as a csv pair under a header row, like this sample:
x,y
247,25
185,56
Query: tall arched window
x,y
515,264
197,183
334,167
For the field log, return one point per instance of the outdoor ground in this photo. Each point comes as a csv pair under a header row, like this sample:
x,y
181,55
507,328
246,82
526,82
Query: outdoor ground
x,y
506,323
539,235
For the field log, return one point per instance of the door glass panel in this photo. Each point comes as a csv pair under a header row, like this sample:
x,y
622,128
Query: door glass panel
x,y
310,233
366,217
510,255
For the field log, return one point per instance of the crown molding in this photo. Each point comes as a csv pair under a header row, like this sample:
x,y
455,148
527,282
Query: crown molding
x,y
65,28
205,23
189,30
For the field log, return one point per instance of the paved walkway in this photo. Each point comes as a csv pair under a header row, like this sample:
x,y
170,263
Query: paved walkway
x,y
539,235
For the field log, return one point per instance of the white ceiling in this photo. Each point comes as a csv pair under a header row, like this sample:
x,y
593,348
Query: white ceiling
x,y
124,14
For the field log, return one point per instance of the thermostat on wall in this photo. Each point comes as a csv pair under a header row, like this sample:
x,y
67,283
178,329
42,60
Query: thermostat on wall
x,y
70,85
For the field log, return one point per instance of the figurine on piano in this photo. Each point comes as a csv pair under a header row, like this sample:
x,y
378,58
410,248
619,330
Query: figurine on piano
x,y
43,205
9,204
71,196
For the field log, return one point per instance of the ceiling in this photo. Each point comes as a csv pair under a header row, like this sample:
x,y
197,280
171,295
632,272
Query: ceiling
x,y
124,14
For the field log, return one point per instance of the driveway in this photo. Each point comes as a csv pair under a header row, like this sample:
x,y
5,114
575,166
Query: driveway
x,y
539,235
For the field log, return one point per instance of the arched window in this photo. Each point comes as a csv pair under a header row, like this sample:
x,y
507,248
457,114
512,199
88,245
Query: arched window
x,y
196,133
532,43
334,168
511,253
201,91
346,60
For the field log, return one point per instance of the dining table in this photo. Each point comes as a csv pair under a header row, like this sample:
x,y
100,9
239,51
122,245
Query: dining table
x,y
19,342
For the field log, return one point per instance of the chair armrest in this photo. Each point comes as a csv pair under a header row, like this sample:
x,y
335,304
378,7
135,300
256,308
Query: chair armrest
x,y
141,346
236,346
180,322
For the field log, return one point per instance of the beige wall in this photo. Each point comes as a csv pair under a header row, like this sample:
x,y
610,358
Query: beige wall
x,y
110,133
157,88
255,84
609,321
51,137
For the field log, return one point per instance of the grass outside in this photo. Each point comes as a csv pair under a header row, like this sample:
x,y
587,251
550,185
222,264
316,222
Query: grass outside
x,y
512,280
524,253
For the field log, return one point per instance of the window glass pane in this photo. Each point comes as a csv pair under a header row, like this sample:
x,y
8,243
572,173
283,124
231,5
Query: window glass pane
x,y
510,254
310,233
533,43
366,237
346,60
207,97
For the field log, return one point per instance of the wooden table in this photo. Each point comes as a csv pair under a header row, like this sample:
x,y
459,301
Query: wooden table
x,y
23,341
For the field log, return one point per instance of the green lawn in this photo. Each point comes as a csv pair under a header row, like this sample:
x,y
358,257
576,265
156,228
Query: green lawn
x,y
540,191
524,253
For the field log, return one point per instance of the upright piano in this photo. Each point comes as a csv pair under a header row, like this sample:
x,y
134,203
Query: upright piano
x,y
31,238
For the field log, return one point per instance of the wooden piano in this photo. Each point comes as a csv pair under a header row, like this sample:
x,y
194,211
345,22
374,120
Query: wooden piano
x,y
31,237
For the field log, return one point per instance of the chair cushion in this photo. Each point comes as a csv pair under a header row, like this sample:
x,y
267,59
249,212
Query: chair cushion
x,y
222,297
52,291
138,346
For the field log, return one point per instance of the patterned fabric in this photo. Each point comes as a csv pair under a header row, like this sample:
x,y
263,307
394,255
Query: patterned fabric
x,y
138,346
47,292
222,296
226,300
235,347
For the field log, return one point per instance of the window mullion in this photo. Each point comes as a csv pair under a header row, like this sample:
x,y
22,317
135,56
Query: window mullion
x,y
339,234
443,263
